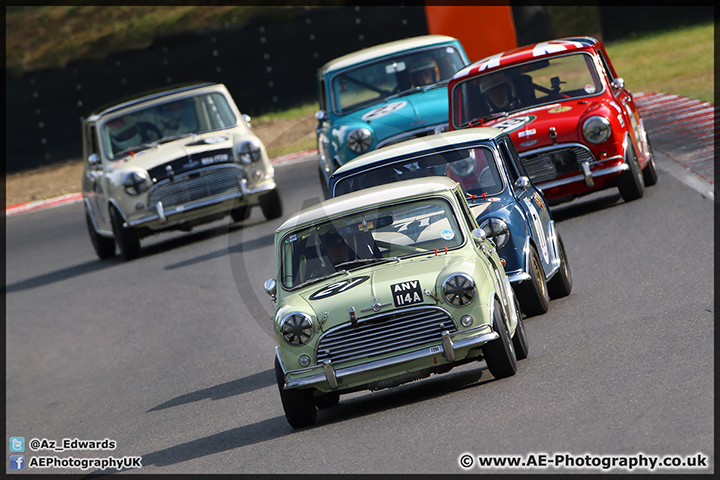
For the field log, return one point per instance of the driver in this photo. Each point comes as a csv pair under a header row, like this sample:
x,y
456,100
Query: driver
x,y
337,250
498,92
424,72
124,133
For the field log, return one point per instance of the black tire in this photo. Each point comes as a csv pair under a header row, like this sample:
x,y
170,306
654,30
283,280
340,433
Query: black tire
x,y
520,342
560,285
500,353
299,405
271,205
127,241
104,246
239,214
631,184
327,400
533,293
650,176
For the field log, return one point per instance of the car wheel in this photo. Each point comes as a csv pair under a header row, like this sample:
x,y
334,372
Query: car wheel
x,y
533,293
240,213
323,183
519,339
127,241
271,205
631,185
104,246
560,285
500,353
650,175
298,405
327,400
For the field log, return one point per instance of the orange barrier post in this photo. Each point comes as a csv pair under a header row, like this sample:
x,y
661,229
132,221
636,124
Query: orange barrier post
x,y
482,30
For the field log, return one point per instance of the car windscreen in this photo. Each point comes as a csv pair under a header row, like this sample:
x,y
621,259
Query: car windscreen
x,y
524,86
473,168
166,121
373,82
371,237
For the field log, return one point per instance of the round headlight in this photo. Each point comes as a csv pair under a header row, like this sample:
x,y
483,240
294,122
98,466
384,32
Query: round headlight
x,y
297,328
596,129
497,230
249,152
458,289
135,183
359,140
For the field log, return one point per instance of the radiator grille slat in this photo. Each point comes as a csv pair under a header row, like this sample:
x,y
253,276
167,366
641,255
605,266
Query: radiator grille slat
x,y
196,185
551,164
384,333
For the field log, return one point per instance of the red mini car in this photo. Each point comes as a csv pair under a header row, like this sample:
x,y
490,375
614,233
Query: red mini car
x,y
576,128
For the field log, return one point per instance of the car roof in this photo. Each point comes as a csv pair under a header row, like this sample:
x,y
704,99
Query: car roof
x,y
138,98
438,142
524,54
368,197
383,50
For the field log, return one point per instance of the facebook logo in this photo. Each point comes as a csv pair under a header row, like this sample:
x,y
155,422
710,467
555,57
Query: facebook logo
x,y
17,462
17,444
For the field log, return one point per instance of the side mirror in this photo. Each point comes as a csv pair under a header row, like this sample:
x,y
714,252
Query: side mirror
x,y
522,183
271,288
618,83
321,115
93,159
479,234
246,118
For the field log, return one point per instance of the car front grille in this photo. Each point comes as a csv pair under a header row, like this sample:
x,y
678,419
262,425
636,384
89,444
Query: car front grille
x,y
552,163
384,333
196,185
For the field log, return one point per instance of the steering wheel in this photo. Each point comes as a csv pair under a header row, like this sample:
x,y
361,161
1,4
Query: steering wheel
x,y
148,131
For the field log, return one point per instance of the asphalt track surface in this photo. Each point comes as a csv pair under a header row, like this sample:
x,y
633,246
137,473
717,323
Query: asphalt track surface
x,y
170,355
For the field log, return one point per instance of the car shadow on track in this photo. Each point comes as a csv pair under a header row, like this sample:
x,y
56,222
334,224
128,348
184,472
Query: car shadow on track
x,y
224,390
585,205
62,275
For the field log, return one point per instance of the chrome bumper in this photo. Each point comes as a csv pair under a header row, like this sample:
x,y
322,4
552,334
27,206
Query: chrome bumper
x,y
330,375
585,177
162,214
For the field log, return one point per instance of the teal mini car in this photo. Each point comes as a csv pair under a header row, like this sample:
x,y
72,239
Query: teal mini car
x,y
382,95
383,287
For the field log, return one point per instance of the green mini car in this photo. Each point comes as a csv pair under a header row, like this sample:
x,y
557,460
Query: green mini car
x,y
385,286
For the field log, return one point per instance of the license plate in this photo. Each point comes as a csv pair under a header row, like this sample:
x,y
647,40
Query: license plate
x,y
406,293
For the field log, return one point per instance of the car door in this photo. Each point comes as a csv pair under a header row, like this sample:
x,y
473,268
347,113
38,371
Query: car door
x,y
93,181
530,201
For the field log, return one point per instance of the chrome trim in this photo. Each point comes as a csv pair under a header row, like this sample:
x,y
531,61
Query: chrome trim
x,y
448,347
348,372
580,177
206,203
161,212
587,174
518,277
330,375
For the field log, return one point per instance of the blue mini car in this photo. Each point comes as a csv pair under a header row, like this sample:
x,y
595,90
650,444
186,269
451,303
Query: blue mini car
x,y
505,203
382,95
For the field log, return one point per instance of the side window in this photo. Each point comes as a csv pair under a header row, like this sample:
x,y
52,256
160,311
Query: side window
x,y
322,95
507,160
514,157
91,143
608,73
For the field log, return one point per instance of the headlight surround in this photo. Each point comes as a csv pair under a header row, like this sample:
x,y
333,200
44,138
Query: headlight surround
x,y
249,152
359,140
297,328
497,230
596,129
459,289
135,182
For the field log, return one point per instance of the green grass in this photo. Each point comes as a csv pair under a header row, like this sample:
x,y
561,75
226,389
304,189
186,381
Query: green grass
x,y
679,61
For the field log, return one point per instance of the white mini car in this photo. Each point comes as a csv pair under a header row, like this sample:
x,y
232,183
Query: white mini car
x,y
171,160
